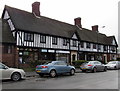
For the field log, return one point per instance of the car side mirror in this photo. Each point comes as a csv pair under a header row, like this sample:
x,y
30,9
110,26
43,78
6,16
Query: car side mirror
x,y
5,67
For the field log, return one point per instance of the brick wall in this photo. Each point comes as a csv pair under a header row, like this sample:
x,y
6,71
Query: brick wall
x,y
9,59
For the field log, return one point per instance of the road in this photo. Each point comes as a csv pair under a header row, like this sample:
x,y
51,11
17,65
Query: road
x,y
99,80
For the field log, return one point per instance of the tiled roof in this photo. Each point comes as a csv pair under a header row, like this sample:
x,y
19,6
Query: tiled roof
x,y
27,21
6,35
96,37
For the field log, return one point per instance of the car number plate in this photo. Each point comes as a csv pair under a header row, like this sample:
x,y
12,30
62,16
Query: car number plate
x,y
83,68
38,71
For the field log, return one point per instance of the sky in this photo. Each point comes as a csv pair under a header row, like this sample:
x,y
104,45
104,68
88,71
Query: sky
x,y
92,12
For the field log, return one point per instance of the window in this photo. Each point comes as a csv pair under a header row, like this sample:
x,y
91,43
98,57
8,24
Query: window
x,y
88,45
82,44
54,40
65,42
28,37
42,39
105,48
74,42
99,47
2,66
60,63
113,48
94,46
7,49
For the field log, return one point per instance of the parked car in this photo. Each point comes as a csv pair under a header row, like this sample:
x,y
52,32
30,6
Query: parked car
x,y
113,65
54,68
11,73
93,66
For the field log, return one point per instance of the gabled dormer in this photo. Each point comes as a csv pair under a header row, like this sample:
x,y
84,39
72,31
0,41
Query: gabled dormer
x,y
112,41
74,36
6,16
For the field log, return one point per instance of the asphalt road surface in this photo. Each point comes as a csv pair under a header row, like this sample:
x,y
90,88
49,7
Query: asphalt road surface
x,y
99,80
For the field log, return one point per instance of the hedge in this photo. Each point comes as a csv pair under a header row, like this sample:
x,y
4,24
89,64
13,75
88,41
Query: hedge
x,y
77,63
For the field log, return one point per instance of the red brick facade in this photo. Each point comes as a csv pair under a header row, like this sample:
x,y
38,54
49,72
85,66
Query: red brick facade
x,y
9,59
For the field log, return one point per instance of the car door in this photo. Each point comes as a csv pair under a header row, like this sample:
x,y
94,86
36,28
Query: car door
x,y
98,66
65,67
119,64
57,67
101,66
5,72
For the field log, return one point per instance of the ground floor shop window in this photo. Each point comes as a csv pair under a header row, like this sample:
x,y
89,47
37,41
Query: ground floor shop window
x,y
62,57
47,56
26,57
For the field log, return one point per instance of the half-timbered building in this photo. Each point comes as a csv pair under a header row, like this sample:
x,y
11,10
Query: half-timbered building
x,y
41,38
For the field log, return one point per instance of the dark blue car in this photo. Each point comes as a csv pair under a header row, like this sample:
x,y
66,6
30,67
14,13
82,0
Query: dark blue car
x,y
54,68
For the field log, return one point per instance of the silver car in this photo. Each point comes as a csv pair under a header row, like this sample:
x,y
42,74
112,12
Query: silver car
x,y
113,65
93,66
11,73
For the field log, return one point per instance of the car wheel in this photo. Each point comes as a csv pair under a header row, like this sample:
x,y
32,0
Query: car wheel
x,y
16,76
105,69
72,72
53,73
94,70
115,68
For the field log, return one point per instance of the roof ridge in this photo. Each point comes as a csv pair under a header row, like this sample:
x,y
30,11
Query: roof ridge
x,y
93,31
58,21
6,6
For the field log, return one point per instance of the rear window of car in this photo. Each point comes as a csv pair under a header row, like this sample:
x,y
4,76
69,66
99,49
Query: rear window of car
x,y
85,63
48,63
112,62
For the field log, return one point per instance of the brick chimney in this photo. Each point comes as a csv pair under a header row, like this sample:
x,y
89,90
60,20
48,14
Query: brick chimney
x,y
36,8
77,22
95,28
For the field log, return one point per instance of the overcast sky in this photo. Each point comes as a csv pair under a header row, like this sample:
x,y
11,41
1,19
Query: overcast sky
x,y
92,12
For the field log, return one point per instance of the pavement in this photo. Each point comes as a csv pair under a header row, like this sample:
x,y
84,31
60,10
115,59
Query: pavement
x,y
33,73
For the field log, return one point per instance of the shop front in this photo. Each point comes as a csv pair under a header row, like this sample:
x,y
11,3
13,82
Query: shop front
x,y
28,55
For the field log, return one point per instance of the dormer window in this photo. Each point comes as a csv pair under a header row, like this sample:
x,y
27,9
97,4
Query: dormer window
x,y
74,43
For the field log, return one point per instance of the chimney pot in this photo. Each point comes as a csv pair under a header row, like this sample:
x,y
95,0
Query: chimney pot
x,y
95,28
36,8
77,22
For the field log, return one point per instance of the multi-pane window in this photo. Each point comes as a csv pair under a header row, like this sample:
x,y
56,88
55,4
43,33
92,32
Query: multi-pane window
x,y
113,48
105,48
99,47
42,39
74,42
94,46
7,49
88,45
54,40
64,42
82,44
28,37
